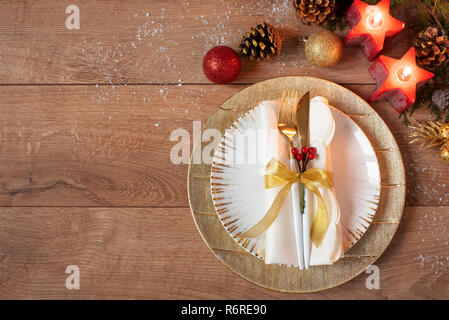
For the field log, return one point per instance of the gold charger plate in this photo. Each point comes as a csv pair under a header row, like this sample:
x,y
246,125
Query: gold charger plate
x,y
375,240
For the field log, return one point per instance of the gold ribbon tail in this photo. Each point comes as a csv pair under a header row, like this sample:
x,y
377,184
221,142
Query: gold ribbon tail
x,y
279,174
319,226
270,216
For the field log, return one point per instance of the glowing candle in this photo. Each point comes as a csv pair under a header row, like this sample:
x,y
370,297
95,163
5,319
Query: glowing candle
x,y
375,20
405,74
397,80
371,25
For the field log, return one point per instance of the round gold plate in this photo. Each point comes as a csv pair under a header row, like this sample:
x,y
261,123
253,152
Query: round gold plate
x,y
371,245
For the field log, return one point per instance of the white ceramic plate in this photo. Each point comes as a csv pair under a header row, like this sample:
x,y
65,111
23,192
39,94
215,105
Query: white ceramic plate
x,y
238,189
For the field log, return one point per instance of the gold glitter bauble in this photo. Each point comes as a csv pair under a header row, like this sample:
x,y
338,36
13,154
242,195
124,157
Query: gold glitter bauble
x,y
444,131
444,152
324,49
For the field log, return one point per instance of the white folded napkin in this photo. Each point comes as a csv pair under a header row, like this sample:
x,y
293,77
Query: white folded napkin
x,y
280,245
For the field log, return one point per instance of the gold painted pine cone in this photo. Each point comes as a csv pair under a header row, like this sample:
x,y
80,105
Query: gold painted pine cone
x,y
315,12
444,131
261,43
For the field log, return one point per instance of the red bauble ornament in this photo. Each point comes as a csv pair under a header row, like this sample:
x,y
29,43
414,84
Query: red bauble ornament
x,y
311,156
305,150
299,157
221,65
295,151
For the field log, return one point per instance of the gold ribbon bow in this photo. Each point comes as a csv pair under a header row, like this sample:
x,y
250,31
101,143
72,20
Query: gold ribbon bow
x,y
279,174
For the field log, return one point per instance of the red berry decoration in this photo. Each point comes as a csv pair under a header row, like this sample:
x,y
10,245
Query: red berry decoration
x,y
295,150
312,150
311,156
221,65
299,157
305,150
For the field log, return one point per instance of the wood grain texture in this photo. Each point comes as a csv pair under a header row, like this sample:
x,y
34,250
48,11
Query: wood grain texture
x,y
70,148
368,248
153,42
110,145
157,253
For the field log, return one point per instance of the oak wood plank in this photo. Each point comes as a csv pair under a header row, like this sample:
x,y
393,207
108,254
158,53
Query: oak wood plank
x,y
110,145
150,41
157,253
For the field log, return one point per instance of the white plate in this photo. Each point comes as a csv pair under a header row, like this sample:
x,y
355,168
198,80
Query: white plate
x,y
238,189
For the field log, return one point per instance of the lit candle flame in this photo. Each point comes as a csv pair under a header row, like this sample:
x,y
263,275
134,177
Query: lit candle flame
x,y
405,74
375,18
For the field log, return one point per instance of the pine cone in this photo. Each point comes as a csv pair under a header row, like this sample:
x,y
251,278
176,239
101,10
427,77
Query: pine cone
x,y
432,48
315,12
262,42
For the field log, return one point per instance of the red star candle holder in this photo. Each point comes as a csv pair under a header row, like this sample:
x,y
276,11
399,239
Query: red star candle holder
x,y
371,24
397,80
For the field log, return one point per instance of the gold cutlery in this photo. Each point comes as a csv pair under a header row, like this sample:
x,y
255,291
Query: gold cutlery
x,y
288,127
302,121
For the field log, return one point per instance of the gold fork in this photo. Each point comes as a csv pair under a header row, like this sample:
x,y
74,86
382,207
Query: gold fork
x,y
287,116
287,125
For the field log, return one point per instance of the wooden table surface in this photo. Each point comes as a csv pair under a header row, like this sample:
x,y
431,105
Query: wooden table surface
x,y
85,171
